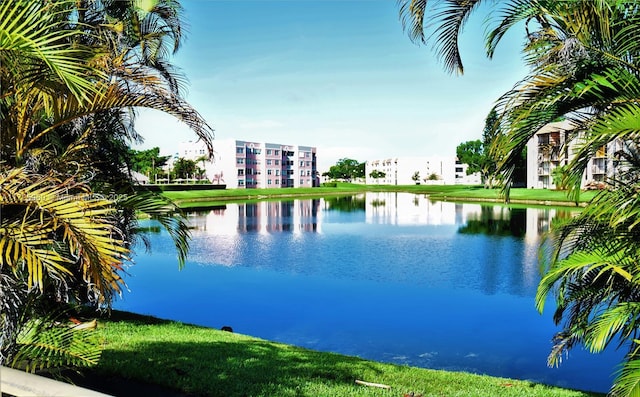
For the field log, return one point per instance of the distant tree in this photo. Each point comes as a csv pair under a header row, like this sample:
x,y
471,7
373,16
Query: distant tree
x,y
472,154
147,161
346,169
360,170
184,168
416,177
490,135
376,174
432,177
478,154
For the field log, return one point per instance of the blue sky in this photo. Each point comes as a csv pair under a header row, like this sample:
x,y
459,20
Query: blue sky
x,y
340,75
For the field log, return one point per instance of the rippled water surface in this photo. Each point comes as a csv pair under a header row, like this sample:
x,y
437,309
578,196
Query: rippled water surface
x,y
385,276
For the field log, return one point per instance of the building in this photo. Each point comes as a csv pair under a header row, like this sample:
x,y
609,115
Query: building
x,y
244,164
427,170
552,147
138,178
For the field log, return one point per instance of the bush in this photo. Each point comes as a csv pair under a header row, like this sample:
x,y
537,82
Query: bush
x,y
330,184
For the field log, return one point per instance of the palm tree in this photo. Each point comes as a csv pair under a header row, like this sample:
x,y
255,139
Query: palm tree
x,y
583,57
70,78
58,241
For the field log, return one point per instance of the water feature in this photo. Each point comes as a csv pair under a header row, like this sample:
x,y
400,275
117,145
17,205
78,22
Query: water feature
x,y
391,277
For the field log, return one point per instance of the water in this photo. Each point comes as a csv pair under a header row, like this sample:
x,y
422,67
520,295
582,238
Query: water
x,y
385,276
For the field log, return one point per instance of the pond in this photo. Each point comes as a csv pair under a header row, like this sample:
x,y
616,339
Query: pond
x,y
392,277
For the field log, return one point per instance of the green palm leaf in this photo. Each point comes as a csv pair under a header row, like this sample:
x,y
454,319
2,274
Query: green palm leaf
x,y
31,30
46,343
612,321
164,211
627,381
44,215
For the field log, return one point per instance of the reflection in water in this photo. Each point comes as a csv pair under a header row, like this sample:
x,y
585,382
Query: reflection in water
x,y
345,203
497,221
379,208
411,228
261,217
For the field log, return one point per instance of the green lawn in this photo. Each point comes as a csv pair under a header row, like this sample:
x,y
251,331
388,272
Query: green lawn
x,y
201,198
209,362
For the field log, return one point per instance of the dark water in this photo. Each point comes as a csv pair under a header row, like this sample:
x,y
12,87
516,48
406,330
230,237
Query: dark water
x,y
387,276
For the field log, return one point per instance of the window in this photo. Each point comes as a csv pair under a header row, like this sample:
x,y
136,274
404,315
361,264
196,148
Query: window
x,y
277,162
302,181
458,169
268,151
277,181
301,172
240,161
240,182
307,154
269,171
268,181
302,164
268,161
249,171
276,152
308,172
257,151
308,163
239,149
277,172
240,172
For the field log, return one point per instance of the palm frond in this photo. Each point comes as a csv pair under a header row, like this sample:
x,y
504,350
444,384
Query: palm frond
x,y
451,19
164,211
512,13
47,213
412,15
627,382
31,34
611,322
138,89
47,343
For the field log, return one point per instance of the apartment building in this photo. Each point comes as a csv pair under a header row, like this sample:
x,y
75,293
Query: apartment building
x,y
430,170
245,164
552,147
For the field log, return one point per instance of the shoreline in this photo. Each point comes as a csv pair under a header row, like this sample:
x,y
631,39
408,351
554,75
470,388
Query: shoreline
x,y
458,193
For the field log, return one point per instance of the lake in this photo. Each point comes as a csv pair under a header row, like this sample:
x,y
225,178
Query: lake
x,y
392,277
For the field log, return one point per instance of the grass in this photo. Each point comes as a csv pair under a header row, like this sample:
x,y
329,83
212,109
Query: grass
x,y
204,198
209,362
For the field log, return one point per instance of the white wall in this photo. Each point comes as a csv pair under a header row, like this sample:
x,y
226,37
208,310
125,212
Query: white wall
x,y
400,170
